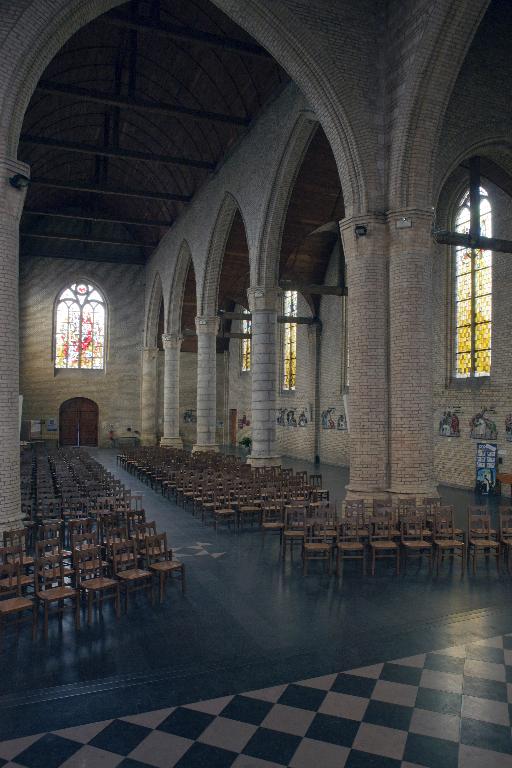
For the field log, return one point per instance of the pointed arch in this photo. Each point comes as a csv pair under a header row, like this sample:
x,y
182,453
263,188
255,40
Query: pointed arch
x,y
217,247
177,293
265,270
155,302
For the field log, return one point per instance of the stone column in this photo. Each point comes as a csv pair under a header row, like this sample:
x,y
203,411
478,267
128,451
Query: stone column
x,y
263,303
410,313
11,204
367,281
172,351
207,329
148,396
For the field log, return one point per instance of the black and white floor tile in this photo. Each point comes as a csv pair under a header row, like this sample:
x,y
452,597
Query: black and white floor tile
x,y
446,709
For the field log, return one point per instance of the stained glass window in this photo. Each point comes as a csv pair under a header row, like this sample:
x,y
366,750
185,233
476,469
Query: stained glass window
x,y
473,296
290,341
80,328
246,345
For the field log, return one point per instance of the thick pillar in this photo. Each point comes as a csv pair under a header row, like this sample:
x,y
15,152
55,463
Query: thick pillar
x,y
11,204
207,329
148,397
263,303
366,259
172,351
410,313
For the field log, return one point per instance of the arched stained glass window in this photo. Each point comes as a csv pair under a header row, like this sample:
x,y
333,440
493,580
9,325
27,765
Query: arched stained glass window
x,y
246,345
290,341
473,296
80,328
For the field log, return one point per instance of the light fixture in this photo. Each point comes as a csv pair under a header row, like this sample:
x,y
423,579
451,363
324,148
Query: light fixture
x,y
361,230
19,181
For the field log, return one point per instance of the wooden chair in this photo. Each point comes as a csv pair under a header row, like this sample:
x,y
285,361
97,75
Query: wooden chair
x,y
350,542
445,538
17,537
51,588
161,561
317,543
481,539
222,512
413,540
92,582
382,543
12,603
506,533
53,548
124,566
272,517
16,556
294,530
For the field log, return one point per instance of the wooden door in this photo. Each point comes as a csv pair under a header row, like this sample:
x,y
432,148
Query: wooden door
x,y
232,426
78,422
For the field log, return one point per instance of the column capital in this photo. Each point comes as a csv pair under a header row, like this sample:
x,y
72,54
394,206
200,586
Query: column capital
x,y
207,324
150,352
172,340
264,298
12,199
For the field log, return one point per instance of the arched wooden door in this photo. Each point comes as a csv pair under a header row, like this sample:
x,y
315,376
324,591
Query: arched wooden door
x,y
78,422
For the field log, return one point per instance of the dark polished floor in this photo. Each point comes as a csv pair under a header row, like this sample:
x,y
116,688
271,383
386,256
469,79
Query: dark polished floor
x,y
245,622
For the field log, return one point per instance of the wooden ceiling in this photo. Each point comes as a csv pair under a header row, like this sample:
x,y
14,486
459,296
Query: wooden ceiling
x,y
129,119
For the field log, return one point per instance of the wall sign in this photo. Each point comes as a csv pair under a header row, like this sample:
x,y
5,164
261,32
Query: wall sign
x,y
486,460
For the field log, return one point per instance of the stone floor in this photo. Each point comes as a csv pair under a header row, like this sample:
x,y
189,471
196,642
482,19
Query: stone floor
x,y
247,623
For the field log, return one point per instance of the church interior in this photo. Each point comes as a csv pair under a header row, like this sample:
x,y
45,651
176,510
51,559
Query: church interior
x,y
255,366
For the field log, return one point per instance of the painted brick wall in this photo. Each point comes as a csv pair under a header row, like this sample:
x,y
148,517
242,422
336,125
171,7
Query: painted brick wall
x,y
117,389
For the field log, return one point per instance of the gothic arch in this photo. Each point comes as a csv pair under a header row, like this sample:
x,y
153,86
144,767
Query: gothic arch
x,y
207,301
265,271
155,302
183,263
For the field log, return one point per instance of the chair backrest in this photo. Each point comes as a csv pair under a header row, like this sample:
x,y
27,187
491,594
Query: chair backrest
x,y
315,481
350,528
17,537
80,525
88,563
380,527
156,547
124,555
443,522
295,517
48,548
12,555
413,527
506,523
141,530
83,541
116,535
479,524
49,572
10,584
50,530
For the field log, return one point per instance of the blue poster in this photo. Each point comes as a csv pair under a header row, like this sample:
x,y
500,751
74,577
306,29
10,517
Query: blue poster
x,y
486,460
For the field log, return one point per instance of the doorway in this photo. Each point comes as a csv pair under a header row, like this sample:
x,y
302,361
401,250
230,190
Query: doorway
x,y
78,422
232,426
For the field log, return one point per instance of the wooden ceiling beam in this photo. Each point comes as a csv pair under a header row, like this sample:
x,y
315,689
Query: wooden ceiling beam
x,y
97,189
99,255
461,240
185,33
115,152
322,290
102,219
86,239
137,103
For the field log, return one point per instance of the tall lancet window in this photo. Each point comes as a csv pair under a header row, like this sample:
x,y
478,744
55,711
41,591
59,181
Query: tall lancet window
x,y
290,341
473,296
80,328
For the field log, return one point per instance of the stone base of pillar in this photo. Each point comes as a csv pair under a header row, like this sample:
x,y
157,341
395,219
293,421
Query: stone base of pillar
x,y
171,442
264,461
197,448
421,492
355,492
148,438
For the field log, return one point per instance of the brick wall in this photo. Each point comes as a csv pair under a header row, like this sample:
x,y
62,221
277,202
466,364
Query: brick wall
x,y
116,390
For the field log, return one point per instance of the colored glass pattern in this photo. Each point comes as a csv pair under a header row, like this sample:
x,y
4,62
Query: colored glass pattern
x,y
246,345
290,341
473,296
80,328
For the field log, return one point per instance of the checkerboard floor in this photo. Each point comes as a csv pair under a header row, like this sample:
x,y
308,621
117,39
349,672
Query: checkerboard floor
x,y
442,709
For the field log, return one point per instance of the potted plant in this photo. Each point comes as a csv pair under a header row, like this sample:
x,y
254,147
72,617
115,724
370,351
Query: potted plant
x,y
246,442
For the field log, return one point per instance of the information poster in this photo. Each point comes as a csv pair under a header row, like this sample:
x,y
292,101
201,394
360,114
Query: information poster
x,y
486,460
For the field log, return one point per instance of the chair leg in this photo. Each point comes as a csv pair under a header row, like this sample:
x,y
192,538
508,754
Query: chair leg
x,y
162,576
373,562
183,579
77,611
45,627
35,617
89,606
398,561
117,601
